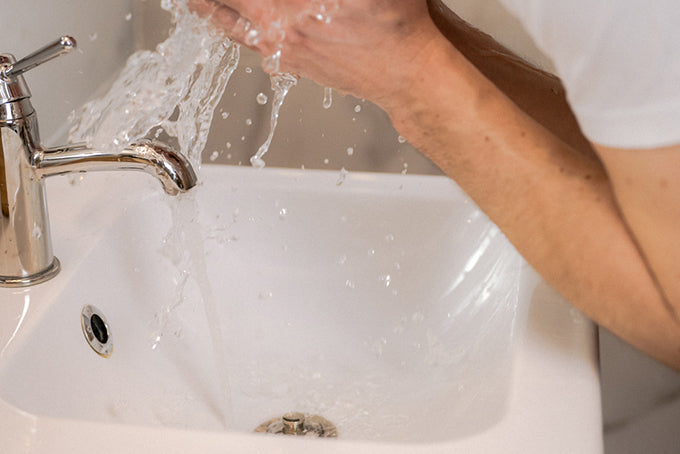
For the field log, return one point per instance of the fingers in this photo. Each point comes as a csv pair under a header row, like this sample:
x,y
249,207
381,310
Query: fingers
x,y
223,17
244,7
230,20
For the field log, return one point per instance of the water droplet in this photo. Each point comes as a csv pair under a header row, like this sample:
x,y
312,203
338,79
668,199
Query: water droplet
x,y
225,115
272,63
265,295
341,177
343,259
350,151
214,155
378,345
37,231
326,161
389,237
357,108
249,122
93,36
401,139
327,97
262,99
252,37
350,284
256,162
248,70
128,16
283,213
228,145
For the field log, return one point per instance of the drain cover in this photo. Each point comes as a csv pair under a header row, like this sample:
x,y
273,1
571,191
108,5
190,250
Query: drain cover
x,y
96,331
295,423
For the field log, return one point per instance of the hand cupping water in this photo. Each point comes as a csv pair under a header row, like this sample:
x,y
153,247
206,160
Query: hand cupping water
x,y
367,48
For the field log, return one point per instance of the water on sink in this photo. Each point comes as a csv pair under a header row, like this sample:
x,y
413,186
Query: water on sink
x,y
365,347
394,330
184,246
170,92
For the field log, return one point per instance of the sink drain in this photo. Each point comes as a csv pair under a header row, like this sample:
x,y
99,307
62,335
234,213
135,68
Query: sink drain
x,y
295,423
96,331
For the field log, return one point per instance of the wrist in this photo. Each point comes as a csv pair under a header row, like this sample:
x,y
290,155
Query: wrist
x,y
438,89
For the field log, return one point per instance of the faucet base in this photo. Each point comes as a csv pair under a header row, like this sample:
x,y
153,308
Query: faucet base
x,y
34,279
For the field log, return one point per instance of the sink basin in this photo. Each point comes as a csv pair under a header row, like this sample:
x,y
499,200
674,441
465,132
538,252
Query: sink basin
x,y
387,304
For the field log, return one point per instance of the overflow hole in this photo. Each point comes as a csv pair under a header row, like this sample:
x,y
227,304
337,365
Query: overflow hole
x,y
99,329
96,331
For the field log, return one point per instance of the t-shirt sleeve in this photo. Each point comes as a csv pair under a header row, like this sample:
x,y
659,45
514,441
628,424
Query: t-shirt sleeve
x,y
619,61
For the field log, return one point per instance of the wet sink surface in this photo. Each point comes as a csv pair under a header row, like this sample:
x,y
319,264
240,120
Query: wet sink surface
x,y
387,304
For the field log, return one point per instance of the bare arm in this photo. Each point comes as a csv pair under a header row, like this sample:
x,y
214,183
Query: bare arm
x,y
647,187
538,93
645,183
554,203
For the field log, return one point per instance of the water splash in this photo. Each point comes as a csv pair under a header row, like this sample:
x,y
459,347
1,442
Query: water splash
x,y
281,84
342,177
169,92
327,97
184,247
323,10
272,63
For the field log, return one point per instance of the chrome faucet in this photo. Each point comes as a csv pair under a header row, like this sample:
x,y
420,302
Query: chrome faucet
x,y
26,256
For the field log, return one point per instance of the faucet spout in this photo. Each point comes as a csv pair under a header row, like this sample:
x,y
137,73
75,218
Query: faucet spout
x,y
26,256
172,169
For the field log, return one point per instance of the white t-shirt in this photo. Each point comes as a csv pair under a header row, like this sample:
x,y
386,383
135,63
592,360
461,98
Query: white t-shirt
x,y
619,61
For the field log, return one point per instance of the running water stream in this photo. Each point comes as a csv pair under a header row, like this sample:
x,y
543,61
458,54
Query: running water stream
x,y
170,94
281,84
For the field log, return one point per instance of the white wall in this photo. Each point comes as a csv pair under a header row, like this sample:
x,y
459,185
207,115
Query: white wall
x,y
105,39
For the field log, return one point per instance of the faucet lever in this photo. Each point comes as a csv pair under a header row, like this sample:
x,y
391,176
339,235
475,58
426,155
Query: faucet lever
x,y
63,45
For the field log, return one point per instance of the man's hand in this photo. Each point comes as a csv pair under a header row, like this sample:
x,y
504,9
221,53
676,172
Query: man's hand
x,y
367,48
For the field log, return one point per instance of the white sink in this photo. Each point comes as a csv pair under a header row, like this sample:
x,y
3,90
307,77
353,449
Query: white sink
x,y
387,304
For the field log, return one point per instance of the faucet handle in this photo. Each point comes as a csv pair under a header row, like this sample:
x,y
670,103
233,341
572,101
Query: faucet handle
x,y
51,51
12,85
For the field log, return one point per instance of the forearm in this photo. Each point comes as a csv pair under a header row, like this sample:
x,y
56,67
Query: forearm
x,y
539,94
554,204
